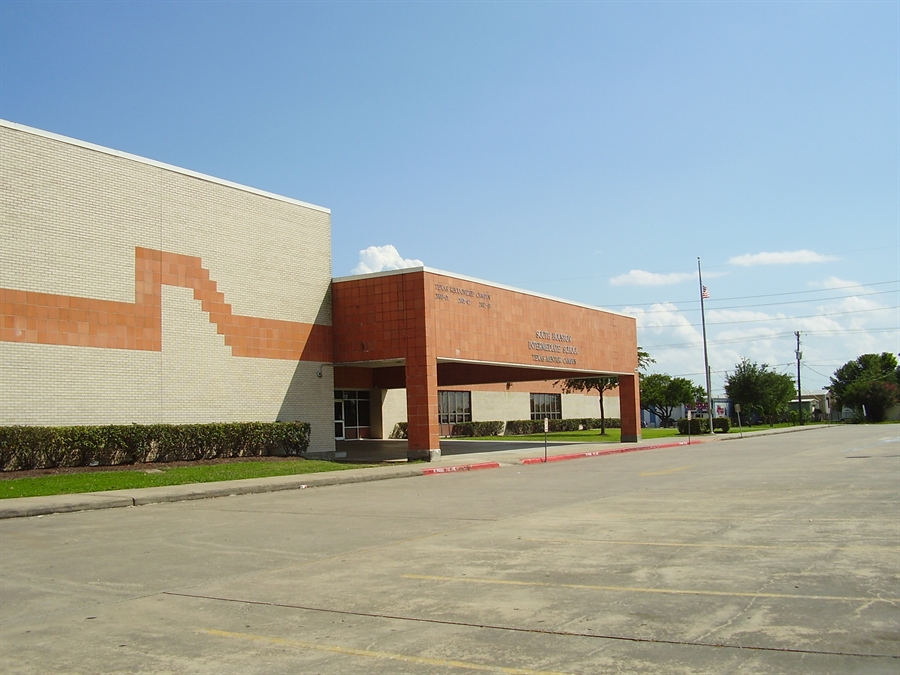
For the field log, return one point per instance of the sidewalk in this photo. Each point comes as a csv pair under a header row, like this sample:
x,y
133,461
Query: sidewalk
x,y
112,499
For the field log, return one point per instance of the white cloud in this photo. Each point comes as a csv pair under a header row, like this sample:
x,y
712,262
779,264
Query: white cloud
x,y
664,319
381,258
642,278
801,257
663,323
833,282
833,331
837,284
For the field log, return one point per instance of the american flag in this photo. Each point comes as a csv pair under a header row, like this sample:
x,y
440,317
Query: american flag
x,y
704,293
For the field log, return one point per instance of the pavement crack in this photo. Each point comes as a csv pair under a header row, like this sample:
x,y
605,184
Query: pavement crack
x,y
730,621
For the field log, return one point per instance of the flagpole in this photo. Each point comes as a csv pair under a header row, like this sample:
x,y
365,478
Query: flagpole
x,y
705,353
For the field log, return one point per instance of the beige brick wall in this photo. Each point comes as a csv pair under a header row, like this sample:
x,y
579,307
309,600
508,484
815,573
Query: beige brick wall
x,y
582,405
70,219
393,409
501,406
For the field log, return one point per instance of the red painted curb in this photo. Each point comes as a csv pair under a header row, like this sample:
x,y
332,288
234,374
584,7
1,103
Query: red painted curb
x,y
462,467
600,453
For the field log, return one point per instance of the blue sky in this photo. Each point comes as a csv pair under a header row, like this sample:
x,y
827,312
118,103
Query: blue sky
x,y
589,151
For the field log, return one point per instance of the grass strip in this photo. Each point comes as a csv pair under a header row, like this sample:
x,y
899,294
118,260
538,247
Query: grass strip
x,y
98,481
584,436
615,435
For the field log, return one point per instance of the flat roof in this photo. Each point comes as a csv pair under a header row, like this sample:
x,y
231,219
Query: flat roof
x,y
159,165
494,284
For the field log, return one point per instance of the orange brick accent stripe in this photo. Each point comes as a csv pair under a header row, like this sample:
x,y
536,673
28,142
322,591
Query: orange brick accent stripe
x,y
45,318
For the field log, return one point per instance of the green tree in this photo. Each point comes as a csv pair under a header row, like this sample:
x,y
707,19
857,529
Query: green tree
x,y
757,388
870,380
661,394
588,384
644,359
602,384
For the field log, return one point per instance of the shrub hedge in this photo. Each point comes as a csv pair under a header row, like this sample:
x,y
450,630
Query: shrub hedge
x,y
563,425
701,425
594,423
399,431
477,429
520,427
26,447
698,426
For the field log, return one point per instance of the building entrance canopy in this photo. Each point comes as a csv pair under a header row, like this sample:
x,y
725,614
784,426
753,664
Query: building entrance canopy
x,y
419,329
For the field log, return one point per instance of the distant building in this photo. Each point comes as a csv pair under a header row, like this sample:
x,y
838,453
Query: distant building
x,y
722,407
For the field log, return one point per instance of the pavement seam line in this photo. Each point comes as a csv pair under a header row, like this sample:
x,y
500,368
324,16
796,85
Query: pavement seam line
x,y
538,631
663,591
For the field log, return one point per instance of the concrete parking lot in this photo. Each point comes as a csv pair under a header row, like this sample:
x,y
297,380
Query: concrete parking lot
x,y
775,554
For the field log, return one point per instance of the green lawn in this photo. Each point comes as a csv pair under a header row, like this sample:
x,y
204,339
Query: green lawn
x,y
587,436
615,435
96,481
780,425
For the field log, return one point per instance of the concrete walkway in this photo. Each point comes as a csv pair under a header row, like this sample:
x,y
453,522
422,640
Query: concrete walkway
x,y
503,453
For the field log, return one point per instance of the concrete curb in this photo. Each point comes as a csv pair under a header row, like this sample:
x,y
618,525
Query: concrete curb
x,y
773,432
460,467
24,507
602,453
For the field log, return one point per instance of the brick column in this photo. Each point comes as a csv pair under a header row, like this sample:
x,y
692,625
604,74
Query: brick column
x,y
630,408
423,432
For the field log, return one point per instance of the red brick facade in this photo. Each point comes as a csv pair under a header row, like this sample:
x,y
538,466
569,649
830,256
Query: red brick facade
x,y
452,331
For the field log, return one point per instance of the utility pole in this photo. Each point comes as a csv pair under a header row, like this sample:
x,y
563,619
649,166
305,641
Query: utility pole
x,y
704,294
799,355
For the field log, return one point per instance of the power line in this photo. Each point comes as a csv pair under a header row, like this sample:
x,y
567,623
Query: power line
x,y
780,318
773,336
596,276
815,371
768,304
764,295
725,372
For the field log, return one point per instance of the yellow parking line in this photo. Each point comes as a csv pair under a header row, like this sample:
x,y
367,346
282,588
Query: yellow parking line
x,y
349,651
666,591
880,549
663,473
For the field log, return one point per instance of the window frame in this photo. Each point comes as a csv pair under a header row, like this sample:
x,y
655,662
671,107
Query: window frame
x,y
454,406
360,408
546,406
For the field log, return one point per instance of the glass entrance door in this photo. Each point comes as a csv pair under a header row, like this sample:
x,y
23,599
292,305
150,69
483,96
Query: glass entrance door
x,y
351,414
338,420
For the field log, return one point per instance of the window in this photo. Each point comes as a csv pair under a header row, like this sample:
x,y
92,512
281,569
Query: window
x,y
355,407
546,405
454,406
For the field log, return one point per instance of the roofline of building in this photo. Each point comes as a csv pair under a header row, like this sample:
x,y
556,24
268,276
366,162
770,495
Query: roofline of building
x,y
493,284
160,165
